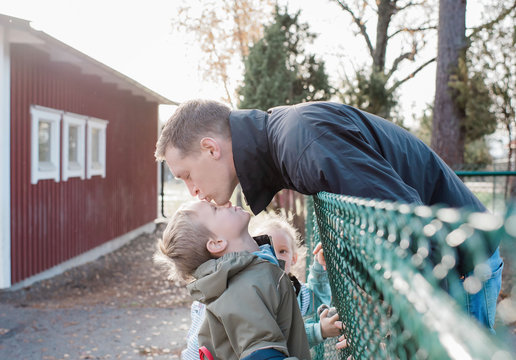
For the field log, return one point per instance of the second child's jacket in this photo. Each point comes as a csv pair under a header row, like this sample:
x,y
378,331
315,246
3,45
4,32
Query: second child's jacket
x,y
313,294
250,305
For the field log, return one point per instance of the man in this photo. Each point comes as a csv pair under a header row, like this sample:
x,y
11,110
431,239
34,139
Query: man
x,y
313,147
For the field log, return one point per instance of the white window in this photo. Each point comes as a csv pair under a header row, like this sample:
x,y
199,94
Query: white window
x,y
96,147
74,145
45,143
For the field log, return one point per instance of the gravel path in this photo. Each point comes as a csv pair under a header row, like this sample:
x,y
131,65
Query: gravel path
x,y
118,307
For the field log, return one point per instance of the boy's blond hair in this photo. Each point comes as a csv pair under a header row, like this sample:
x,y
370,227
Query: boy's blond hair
x,y
182,248
191,121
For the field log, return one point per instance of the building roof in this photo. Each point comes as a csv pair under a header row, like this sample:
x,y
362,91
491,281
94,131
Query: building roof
x,y
21,32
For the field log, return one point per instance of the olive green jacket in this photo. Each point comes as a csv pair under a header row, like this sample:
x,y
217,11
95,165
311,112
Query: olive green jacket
x,y
250,305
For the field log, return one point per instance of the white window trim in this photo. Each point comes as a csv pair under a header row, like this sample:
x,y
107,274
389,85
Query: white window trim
x,y
93,123
51,169
77,169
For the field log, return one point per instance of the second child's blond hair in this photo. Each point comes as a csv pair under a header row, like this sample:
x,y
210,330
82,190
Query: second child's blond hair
x,y
182,248
264,222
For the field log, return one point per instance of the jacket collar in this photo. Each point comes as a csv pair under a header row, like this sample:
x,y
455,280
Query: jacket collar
x,y
254,165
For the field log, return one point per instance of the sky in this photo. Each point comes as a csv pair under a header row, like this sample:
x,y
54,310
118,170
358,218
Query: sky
x,y
137,39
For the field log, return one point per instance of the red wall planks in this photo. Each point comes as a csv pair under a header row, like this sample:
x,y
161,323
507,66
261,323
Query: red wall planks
x,y
52,222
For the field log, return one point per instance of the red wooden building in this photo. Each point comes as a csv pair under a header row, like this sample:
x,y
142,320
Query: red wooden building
x,y
77,171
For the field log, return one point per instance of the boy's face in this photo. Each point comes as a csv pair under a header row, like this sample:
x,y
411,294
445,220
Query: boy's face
x,y
225,222
283,248
206,177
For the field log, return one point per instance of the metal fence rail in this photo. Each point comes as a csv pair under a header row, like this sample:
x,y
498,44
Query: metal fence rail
x,y
387,284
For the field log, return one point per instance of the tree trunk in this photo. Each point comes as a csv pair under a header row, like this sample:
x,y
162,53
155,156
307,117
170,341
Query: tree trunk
x,y
385,11
447,134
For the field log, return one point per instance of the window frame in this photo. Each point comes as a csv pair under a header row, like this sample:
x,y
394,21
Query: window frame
x,y
50,169
79,170
101,125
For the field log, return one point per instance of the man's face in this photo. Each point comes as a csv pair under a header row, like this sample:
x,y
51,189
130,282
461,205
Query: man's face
x,y
225,222
206,177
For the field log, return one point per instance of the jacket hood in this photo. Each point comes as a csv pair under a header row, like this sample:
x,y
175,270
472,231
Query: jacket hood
x,y
213,276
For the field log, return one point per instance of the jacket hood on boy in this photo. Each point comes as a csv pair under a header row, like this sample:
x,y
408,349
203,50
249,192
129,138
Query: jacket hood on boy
x,y
213,275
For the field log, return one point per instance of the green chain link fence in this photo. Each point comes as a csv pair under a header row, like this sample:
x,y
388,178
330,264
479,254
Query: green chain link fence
x,y
388,286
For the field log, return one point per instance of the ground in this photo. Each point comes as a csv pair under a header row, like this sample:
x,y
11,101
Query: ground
x,y
120,306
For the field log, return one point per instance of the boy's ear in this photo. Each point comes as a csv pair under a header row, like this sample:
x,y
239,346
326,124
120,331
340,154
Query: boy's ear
x,y
294,259
216,246
211,146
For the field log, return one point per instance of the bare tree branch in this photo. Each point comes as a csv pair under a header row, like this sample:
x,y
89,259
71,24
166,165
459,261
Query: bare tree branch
x,y
410,76
489,24
411,30
410,4
399,59
360,23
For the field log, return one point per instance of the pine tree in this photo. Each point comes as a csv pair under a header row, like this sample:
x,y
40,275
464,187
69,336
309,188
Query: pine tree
x,y
277,70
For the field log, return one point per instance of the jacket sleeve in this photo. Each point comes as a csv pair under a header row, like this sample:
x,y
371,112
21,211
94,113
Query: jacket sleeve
x,y
342,162
192,344
313,333
318,283
319,286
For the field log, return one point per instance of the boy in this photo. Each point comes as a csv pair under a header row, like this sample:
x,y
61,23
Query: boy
x,y
315,292
251,308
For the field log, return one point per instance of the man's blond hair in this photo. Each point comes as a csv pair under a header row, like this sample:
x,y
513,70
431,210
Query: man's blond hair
x,y
192,121
182,248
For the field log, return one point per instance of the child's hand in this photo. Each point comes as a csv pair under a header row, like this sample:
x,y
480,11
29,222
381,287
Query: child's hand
x,y
319,255
330,326
342,344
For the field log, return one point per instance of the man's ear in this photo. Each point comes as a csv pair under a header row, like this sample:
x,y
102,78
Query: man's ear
x,y
217,246
211,146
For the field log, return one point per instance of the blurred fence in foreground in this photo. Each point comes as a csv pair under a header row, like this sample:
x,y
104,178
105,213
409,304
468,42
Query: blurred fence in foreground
x,y
387,289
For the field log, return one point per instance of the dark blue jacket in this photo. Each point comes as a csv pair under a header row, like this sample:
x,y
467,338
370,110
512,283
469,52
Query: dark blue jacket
x,y
325,146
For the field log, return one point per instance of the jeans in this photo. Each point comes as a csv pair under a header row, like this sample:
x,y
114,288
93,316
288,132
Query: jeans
x,y
482,304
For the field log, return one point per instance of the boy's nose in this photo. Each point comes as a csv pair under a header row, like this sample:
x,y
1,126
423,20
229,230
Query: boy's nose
x,y
227,205
194,190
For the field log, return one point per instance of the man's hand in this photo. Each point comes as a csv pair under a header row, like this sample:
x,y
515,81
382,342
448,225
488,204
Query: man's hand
x,y
319,255
330,326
